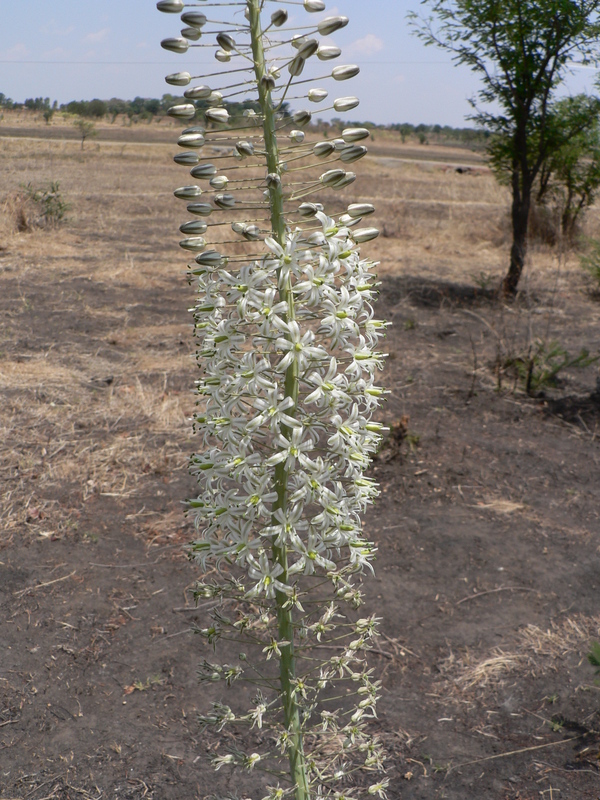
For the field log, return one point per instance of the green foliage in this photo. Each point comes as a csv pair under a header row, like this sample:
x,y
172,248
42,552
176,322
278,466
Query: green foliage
x,y
521,50
590,262
540,366
86,129
49,201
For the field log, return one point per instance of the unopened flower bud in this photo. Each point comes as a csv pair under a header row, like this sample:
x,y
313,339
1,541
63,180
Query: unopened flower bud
x,y
317,95
297,137
196,19
360,209
331,24
224,200
355,134
185,111
217,114
219,182
225,41
170,6
215,99
245,148
200,209
323,149
194,228
326,52
191,140
314,6
302,117
223,56
345,72
307,210
296,66
204,171
210,258
252,233
365,235
187,159
339,144
178,78
175,44
345,103
348,178
347,221
193,243
193,34
187,192
198,93
268,81
352,153
279,17
331,177
308,48
298,40
273,180
238,227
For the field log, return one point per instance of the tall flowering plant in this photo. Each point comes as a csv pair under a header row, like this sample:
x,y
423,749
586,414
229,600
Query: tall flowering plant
x,y
288,357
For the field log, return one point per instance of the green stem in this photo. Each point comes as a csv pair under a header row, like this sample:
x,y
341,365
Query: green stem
x,y
287,662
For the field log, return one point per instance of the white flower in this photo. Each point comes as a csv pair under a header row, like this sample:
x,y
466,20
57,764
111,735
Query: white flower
x,y
266,575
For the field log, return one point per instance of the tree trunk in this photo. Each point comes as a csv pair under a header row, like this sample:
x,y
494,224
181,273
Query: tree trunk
x,y
520,217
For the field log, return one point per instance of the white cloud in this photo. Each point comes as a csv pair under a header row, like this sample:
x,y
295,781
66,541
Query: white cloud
x,y
367,46
17,51
98,36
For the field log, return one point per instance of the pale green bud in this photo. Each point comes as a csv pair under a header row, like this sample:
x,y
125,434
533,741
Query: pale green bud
x,y
323,149
193,243
308,48
223,56
326,52
201,209
175,44
252,233
302,117
297,137
355,134
187,159
317,95
187,192
345,72
298,40
193,34
217,114
194,228
345,103
185,111
360,209
331,24
273,180
347,221
215,98
268,81
308,210
352,153
296,66
225,41
170,6
219,182
238,227
178,78
332,176
279,17
204,171
191,140
365,235
198,93
210,258
194,18
245,148
225,200
348,178
314,6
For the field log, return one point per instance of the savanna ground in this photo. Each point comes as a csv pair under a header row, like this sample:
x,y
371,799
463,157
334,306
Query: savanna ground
x,y
488,527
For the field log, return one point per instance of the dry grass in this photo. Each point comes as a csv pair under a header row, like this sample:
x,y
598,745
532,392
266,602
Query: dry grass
x,y
535,651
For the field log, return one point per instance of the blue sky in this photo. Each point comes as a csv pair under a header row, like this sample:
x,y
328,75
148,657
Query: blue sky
x,y
78,49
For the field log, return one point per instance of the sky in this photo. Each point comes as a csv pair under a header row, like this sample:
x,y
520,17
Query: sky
x,y
78,50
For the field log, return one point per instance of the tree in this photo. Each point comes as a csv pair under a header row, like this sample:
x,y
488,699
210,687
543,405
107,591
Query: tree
x,y
571,176
86,129
522,50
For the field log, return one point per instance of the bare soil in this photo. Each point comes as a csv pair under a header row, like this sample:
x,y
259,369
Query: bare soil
x,y
488,526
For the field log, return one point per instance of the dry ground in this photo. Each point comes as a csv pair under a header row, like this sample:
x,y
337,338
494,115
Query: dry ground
x,y
488,527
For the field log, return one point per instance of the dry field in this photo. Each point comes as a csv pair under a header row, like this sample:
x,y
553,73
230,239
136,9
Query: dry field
x,y
488,526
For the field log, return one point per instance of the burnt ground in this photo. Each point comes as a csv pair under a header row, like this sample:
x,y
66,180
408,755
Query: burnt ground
x,y
488,532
